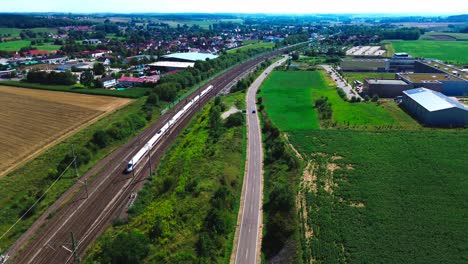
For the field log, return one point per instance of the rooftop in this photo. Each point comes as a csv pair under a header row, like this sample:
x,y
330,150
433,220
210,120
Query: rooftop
x,y
191,56
449,69
428,77
393,82
172,64
431,100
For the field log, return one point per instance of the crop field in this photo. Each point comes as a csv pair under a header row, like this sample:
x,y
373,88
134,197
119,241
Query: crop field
x,y
452,51
34,120
444,36
253,46
384,197
292,108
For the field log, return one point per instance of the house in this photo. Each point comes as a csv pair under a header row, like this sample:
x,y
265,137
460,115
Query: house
x,y
109,82
133,81
92,41
105,61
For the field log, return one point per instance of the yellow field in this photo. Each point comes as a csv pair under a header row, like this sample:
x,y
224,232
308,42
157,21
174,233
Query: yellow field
x,y
33,120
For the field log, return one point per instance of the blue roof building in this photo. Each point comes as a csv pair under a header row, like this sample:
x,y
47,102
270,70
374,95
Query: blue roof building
x,y
435,109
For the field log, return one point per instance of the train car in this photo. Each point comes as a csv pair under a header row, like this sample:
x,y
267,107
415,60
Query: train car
x,y
155,138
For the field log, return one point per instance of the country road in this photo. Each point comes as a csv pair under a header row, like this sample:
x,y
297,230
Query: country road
x,y
248,244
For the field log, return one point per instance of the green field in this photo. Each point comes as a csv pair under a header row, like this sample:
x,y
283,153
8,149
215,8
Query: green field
x,y
254,45
135,92
451,51
15,32
187,212
444,36
289,99
16,45
360,76
393,196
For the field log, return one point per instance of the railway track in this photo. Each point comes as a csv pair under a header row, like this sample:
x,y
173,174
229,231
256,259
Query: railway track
x,y
90,211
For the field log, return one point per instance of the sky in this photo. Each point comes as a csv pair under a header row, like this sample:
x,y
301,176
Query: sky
x,y
238,6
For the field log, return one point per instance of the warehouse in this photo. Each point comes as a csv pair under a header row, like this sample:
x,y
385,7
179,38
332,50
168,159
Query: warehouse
x,y
189,57
167,66
365,65
445,83
385,88
435,109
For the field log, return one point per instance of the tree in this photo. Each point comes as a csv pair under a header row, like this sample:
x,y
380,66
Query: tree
x,y
87,78
98,83
375,98
98,68
295,56
125,248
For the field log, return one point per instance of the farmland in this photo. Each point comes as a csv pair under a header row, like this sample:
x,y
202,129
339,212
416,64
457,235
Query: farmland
x,y
444,36
289,98
34,120
452,51
387,197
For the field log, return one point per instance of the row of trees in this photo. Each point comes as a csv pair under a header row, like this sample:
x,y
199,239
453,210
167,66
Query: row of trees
x,y
60,78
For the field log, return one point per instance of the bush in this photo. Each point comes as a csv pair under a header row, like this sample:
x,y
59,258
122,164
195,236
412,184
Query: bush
x,y
234,120
129,247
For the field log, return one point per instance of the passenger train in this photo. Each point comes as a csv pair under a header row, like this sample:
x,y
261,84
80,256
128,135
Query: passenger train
x,y
155,139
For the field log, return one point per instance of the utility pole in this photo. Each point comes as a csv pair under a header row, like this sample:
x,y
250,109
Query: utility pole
x,y
149,160
75,249
74,159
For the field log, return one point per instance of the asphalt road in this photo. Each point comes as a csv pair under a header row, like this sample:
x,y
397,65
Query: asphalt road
x,y
248,249
340,82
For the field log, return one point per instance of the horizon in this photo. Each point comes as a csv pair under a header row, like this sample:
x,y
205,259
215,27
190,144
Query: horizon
x,y
294,7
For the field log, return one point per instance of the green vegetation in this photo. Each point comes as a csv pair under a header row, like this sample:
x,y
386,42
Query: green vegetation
x,y
15,32
188,210
360,76
287,97
135,92
387,197
444,36
281,225
15,45
451,51
23,186
255,45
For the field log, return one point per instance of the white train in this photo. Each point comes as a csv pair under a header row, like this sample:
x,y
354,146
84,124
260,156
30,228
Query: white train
x,y
154,139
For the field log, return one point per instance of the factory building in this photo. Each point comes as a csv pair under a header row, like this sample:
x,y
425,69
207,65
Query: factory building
x,y
188,57
385,88
364,65
448,84
434,109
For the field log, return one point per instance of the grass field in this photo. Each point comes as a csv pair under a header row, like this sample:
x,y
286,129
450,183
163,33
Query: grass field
x,y
386,197
360,76
289,98
452,51
34,120
15,32
135,92
16,45
444,36
256,45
